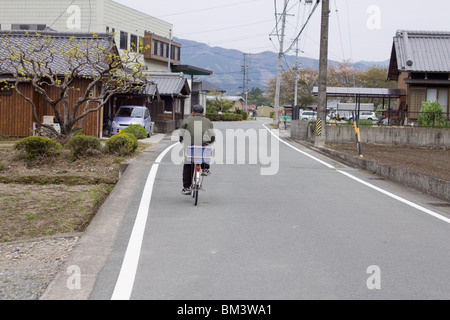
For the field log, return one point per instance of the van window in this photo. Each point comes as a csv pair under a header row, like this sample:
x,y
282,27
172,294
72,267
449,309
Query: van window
x,y
130,112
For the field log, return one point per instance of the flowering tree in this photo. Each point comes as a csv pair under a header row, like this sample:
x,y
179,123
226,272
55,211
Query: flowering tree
x,y
53,64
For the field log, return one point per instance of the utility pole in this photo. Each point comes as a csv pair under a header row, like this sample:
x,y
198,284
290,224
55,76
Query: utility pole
x,y
280,65
296,69
323,65
245,81
169,69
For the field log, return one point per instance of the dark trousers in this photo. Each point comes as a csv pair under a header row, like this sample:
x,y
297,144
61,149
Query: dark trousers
x,y
188,172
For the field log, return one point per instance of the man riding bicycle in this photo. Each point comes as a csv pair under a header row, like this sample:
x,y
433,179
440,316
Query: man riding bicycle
x,y
195,130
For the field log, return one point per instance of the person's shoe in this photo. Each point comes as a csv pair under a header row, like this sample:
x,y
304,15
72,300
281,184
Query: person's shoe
x,y
186,191
206,172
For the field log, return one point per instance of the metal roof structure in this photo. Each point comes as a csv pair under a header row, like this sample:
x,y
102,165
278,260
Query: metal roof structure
x,y
362,92
172,84
420,51
191,70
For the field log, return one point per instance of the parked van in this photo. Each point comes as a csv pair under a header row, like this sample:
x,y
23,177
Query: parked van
x,y
127,115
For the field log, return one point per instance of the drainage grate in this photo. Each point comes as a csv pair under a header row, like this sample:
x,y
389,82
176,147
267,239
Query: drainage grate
x,y
442,205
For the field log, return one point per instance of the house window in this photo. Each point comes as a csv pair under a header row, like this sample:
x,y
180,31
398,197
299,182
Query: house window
x,y
417,96
134,43
177,55
141,45
432,95
443,98
165,52
160,48
123,40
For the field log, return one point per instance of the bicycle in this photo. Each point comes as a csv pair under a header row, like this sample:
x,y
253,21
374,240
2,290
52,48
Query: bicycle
x,y
198,155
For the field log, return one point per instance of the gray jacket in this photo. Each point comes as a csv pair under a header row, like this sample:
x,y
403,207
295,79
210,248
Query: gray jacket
x,y
197,130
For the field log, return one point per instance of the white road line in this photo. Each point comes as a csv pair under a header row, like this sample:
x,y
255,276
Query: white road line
x,y
387,193
298,150
125,281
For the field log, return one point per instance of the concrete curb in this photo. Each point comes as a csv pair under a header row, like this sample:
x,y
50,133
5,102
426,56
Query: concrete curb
x,y
95,244
436,187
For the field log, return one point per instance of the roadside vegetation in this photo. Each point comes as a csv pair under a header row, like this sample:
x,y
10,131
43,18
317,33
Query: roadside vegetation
x,y
47,188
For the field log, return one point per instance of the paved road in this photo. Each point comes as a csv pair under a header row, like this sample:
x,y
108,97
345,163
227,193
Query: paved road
x,y
314,230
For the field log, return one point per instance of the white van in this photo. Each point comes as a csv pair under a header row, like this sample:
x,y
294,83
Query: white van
x,y
127,115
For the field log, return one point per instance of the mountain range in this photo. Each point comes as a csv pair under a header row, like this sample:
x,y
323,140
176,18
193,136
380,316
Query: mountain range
x,y
227,65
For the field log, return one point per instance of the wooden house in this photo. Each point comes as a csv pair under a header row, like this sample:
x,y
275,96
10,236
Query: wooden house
x,y
420,63
17,117
168,112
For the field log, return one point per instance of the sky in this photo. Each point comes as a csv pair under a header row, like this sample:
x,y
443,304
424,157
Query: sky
x,y
358,29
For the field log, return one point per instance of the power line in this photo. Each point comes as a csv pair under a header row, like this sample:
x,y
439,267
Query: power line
x,y
61,14
340,33
309,17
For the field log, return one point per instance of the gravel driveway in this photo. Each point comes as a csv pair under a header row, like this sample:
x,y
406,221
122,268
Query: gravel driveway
x,y
26,268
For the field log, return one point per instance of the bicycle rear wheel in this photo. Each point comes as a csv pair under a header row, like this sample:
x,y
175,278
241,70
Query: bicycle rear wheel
x,y
196,196
196,183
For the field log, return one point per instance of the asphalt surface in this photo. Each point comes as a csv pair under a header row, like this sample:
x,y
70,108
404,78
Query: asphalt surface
x,y
310,231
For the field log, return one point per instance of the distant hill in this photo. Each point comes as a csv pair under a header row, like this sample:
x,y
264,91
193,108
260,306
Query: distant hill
x,y
227,65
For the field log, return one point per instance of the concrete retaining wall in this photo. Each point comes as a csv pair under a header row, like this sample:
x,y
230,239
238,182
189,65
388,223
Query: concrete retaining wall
x,y
302,130
434,186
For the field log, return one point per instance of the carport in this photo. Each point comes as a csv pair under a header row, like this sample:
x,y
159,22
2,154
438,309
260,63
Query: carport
x,y
192,71
374,93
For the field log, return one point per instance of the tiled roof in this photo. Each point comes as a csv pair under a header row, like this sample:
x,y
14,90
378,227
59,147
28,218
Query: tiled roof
x,y
169,83
422,51
50,47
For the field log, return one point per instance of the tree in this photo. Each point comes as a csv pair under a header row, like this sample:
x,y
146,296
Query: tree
x,y
375,77
52,63
308,78
218,103
432,114
343,75
257,97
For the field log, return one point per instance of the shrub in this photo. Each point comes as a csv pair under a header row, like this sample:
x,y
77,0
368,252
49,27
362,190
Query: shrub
x,y
224,117
231,117
243,114
122,144
81,145
431,114
137,130
213,116
37,147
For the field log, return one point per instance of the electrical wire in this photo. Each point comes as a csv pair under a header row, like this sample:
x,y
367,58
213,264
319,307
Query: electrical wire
x,y
340,32
306,23
59,17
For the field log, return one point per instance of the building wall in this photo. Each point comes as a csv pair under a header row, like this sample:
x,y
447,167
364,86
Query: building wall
x,y
17,116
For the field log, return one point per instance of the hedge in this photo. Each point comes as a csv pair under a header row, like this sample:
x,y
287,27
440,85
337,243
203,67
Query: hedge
x,y
224,117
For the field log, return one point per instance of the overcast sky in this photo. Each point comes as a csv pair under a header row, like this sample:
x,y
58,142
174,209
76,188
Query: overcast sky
x,y
359,29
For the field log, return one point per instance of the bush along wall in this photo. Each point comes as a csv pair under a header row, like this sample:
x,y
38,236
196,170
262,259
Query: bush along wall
x,y
224,117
